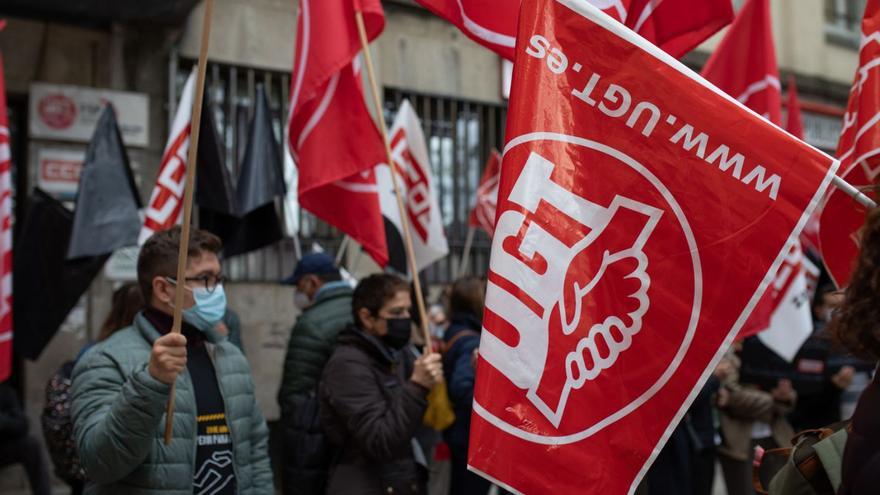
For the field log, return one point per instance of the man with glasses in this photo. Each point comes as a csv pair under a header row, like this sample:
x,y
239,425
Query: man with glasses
x,y
122,385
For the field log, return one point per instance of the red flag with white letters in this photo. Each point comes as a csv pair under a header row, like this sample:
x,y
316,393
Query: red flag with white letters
x,y
5,234
483,213
859,154
165,209
676,26
332,137
744,64
642,213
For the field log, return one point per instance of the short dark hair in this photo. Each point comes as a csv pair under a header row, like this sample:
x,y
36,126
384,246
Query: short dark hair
x,y
374,291
158,257
467,296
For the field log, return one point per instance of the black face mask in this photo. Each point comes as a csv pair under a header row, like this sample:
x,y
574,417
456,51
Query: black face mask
x,y
399,330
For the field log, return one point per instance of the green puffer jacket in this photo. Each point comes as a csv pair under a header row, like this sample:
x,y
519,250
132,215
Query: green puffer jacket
x,y
312,341
119,419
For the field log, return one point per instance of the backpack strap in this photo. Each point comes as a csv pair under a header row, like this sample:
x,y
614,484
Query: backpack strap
x,y
447,346
760,454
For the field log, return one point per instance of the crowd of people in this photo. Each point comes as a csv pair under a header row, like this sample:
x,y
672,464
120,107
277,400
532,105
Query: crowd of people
x,y
358,388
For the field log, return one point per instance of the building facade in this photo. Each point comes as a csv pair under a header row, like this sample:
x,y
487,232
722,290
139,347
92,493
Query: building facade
x,y
455,85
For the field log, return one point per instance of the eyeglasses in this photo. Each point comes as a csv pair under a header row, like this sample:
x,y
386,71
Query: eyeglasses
x,y
210,282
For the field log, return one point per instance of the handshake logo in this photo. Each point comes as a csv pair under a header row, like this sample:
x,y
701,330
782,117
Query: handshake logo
x,y
581,299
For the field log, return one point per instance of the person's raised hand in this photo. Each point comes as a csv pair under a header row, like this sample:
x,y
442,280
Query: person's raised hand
x,y
428,371
168,358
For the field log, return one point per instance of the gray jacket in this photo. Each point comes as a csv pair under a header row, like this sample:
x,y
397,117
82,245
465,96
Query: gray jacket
x,y
119,418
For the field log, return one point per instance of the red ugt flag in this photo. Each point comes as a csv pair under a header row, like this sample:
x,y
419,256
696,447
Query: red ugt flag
x,y
676,26
641,214
842,217
332,137
483,214
5,235
744,64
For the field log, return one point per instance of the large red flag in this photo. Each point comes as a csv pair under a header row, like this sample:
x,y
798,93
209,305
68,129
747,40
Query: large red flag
x,y
332,137
5,235
483,214
676,26
859,153
641,215
744,64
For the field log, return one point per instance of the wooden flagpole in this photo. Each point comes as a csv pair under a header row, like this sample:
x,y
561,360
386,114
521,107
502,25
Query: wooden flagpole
x,y
188,197
466,253
407,236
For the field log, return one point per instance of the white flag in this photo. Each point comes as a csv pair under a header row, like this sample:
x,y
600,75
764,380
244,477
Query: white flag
x,y
165,208
291,199
791,323
410,154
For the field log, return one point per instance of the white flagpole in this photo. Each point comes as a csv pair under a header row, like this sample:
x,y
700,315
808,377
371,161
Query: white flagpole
x,y
853,192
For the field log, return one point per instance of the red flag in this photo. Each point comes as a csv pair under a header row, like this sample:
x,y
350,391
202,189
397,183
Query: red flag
x,y
332,137
641,215
842,218
676,26
165,208
744,64
794,123
5,236
483,214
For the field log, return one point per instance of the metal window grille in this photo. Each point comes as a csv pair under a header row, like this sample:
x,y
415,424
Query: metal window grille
x,y
460,135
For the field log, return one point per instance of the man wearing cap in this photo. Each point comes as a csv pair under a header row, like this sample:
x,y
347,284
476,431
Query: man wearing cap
x,y
325,301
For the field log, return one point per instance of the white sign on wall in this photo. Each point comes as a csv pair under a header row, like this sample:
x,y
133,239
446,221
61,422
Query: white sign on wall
x,y
58,172
70,113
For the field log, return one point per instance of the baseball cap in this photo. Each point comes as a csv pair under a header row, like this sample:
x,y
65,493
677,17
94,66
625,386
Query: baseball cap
x,y
312,264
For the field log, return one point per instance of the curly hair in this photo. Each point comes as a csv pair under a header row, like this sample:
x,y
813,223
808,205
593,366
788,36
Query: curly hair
x,y
856,325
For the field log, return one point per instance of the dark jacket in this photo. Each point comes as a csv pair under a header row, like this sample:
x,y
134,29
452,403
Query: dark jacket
x,y
311,342
861,459
371,411
459,372
13,422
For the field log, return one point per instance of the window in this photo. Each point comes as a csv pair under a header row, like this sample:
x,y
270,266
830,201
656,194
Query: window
x,y
460,136
843,19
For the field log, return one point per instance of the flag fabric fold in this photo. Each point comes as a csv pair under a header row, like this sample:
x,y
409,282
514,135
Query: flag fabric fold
x,y
486,200
106,217
416,181
332,137
642,214
165,208
859,153
676,26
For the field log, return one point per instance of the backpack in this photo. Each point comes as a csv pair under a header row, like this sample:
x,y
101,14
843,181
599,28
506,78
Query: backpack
x,y
58,426
812,466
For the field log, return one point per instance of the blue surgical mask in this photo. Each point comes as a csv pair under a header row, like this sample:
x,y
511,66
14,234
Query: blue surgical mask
x,y
208,310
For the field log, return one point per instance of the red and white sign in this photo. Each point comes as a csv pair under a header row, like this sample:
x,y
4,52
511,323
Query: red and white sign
x,y
58,172
6,326
483,214
859,153
642,213
676,26
165,208
410,153
744,64
70,113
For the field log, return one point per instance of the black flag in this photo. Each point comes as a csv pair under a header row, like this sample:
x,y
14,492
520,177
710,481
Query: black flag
x,y
215,195
46,285
249,221
107,201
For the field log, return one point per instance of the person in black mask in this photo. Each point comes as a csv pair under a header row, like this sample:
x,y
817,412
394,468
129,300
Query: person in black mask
x,y
373,395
